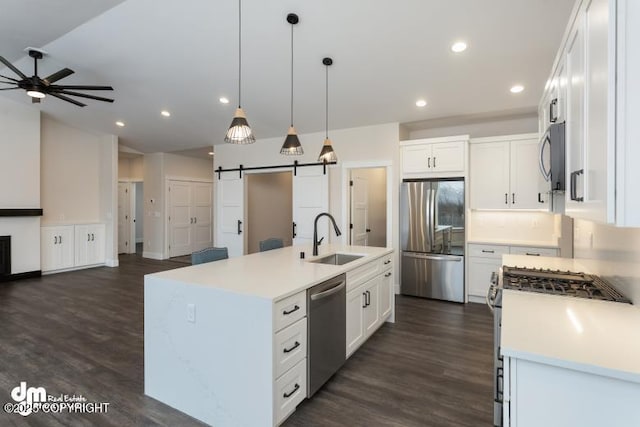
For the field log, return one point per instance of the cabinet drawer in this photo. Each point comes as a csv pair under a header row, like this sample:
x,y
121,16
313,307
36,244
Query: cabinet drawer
x,y
533,251
290,389
363,273
290,346
488,251
290,309
386,262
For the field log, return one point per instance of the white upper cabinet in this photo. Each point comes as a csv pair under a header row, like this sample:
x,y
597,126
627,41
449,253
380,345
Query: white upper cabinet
x,y
599,95
504,173
434,157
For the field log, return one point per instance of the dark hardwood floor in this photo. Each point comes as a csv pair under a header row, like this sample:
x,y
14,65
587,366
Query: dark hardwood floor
x,y
82,333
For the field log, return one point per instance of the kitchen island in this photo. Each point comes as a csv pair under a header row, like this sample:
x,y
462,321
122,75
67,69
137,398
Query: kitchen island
x,y
225,342
568,361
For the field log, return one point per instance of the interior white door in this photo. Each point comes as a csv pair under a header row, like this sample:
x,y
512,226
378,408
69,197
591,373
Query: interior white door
x,y
310,197
230,198
124,219
180,218
202,206
359,211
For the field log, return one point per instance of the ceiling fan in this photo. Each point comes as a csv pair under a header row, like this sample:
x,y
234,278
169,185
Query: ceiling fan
x,y
37,87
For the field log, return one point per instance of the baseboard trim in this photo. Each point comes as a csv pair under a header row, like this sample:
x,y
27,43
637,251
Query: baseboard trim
x,y
75,268
397,288
152,255
112,263
19,276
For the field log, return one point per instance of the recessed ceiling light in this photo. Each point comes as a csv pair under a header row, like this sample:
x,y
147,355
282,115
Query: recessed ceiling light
x,y
119,123
224,100
517,89
211,153
165,113
421,103
458,47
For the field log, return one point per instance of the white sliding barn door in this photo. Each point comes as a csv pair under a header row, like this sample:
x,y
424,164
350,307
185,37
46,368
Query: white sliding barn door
x,y
310,197
230,199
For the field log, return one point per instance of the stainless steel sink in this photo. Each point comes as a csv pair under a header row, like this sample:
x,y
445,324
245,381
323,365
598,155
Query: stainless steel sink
x,y
337,259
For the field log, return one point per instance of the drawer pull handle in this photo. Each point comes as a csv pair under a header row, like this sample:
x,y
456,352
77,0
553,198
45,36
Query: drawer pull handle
x,y
288,395
295,308
289,350
387,275
387,262
488,252
532,254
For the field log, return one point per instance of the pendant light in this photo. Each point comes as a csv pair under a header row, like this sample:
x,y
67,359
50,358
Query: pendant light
x,y
327,154
239,131
292,146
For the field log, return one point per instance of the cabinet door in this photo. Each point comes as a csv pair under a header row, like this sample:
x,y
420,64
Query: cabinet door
x,y
50,253
82,245
527,183
489,175
385,294
372,309
97,250
575,116
448,157
416,158
355,319
66,236
480,270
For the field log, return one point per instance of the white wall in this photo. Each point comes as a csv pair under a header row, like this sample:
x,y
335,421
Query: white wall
x,y
612,252
20,181
130,168
158,167
71,161
108,190
355,145
476,128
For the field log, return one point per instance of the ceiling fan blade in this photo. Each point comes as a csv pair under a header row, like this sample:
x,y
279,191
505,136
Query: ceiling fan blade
x,y
64,98
12,68
35,100
9,78
9,83
82,95
80,87
9,88
58,75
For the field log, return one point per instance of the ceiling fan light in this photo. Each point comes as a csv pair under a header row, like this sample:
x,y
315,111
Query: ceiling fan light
x,y
239,131
327,154
292,146
35,94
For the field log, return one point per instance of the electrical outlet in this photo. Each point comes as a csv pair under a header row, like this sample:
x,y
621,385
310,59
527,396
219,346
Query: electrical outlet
x,y
191,313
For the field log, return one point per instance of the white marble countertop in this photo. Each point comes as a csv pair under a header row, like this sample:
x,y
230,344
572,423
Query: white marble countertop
x,y
273,274
598,337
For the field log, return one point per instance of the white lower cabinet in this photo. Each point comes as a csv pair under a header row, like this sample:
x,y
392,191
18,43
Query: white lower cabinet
x,y
291,389
57,247
369,302
484,260
587,400
70,246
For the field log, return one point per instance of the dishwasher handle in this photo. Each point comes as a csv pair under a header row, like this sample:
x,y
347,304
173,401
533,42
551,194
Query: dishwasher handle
x,y
328,292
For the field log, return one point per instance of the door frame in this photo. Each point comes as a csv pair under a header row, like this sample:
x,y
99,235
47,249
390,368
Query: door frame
x,y
346,203
165,217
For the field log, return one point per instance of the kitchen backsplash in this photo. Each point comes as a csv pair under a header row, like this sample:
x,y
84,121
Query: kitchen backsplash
x,y
516,226
611,252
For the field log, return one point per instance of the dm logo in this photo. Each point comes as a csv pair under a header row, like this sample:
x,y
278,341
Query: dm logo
x,y
28,396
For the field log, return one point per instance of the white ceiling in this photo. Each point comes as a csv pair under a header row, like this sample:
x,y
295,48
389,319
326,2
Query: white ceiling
x,y
182,56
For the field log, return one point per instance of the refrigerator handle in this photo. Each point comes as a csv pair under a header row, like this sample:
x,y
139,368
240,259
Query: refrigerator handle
x,y
432,216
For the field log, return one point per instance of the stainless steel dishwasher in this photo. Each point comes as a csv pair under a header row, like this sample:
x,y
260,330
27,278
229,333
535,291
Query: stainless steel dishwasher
x,y
326,331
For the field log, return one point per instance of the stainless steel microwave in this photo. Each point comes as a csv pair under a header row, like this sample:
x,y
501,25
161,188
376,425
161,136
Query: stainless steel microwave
x,y
552,156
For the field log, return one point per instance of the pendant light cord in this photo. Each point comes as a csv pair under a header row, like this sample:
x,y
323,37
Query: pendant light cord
x,y
326,102
291,75
239,52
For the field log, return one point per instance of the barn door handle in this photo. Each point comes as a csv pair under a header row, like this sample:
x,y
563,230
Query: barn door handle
x,y
239,227
368,230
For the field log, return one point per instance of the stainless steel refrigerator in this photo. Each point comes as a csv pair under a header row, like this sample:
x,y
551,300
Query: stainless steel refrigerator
x,y
432,238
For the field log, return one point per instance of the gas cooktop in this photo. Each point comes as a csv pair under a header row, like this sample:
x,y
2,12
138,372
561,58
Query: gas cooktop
x,y
566,283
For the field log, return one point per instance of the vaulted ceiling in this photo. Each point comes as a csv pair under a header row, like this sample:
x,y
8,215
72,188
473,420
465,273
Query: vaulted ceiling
x,y
182,56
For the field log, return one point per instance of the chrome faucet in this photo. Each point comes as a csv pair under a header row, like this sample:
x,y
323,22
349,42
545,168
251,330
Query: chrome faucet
x,y
317,242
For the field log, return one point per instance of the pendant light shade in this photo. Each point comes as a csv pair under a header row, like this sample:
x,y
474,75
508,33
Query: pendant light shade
x,y
327,154
292,146
239,132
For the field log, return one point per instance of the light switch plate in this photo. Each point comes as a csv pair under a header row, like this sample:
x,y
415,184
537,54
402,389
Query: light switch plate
x,y
191,313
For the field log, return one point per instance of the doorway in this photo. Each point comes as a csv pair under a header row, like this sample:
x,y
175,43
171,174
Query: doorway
x,y
269,208
368,206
